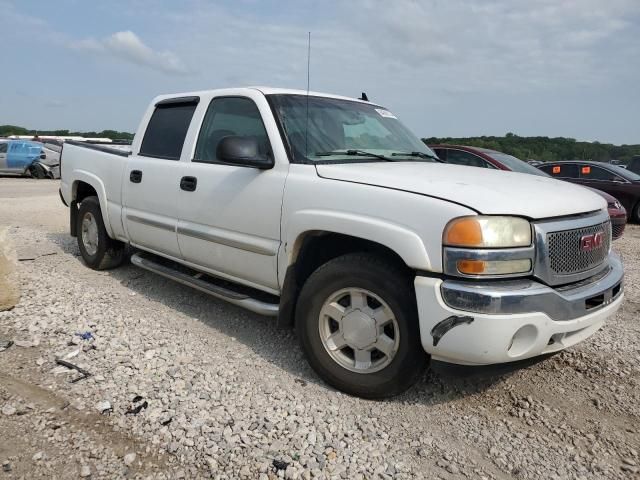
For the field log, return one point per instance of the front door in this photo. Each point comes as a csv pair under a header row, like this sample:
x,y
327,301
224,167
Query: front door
x,y
151,180
230,221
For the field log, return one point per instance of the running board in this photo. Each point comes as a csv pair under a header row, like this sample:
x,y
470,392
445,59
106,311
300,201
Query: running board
x,y
198,281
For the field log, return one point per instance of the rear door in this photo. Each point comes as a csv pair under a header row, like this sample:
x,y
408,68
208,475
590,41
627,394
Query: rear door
x,y
151,180
230,221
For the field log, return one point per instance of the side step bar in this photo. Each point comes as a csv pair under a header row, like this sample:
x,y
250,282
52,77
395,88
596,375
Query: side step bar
x,y
196,281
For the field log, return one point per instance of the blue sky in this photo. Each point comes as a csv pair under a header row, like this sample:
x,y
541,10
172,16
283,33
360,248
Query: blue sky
x,y
445,67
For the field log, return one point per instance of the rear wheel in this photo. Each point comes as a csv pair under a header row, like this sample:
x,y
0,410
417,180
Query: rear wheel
x,y
358,326
98,250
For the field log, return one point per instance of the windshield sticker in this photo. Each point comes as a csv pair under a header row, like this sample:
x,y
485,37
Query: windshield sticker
x,y
385,113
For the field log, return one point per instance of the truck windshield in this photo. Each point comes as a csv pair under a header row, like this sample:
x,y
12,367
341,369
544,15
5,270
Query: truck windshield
x,y
334,129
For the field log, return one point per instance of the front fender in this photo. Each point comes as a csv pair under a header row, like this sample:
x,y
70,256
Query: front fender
x,y
403,241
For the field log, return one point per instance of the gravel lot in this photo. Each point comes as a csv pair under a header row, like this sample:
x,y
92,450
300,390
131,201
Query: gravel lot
x,y
227,395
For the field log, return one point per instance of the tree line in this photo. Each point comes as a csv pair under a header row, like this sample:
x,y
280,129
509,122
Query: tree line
x,y
545,148
6,130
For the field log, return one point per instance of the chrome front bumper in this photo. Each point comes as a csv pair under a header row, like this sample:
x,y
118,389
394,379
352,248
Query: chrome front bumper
x,y
526,296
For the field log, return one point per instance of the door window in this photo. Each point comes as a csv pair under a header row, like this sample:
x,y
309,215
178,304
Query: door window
x,y
230,116
3,148
569,170
459,157
441,153
167,130
589,172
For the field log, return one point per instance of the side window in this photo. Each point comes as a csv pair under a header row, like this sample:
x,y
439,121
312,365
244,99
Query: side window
x,y
561,171
229,116
459,157
441,153
588,172
3,148
167,130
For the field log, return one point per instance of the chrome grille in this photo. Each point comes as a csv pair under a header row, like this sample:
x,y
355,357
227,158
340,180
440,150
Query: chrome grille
x,y
564,252
618,230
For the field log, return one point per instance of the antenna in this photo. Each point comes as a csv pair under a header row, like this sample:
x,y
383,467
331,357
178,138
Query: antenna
x,y
306,129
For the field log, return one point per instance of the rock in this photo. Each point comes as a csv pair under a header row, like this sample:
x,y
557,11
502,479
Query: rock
x,y
9,285
37,456
129,458
8,410
85,471
104,406
453,469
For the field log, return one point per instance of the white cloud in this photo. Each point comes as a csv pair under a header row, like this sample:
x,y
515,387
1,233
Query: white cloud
x,y
127,46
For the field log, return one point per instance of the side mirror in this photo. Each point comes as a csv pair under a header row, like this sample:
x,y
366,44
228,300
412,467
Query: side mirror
x,y
43,156
242,151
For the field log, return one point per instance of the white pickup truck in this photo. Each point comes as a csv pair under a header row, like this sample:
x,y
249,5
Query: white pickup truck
x,y
328,213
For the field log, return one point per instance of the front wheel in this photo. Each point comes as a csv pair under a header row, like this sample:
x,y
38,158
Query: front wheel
x,y
98,250
358,326
635,213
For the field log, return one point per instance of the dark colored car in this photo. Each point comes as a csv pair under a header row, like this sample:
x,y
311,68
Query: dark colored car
x,y
617,181
486,158
634,164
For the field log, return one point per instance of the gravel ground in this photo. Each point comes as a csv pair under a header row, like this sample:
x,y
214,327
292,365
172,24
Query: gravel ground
x,y
185,386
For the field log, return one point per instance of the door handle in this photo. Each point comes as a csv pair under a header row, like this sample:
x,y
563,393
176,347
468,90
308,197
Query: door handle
x,y
135,176
188,184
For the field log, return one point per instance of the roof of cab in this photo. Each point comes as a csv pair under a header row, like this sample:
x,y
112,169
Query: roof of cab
x,y
265,91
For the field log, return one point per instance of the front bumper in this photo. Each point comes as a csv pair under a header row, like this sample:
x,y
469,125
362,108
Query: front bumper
x,y
495,322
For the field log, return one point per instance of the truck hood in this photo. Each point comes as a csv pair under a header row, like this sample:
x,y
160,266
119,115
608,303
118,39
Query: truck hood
x,y
492,192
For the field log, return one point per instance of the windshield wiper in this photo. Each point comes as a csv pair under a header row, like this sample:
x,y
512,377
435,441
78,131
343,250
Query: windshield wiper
x,y
416,154
357,153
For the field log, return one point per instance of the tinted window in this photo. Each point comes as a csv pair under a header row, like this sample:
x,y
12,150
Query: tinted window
x,y
561,171
589,172
229,116
167,130
441,153
515,164
459,157
3,148
624,173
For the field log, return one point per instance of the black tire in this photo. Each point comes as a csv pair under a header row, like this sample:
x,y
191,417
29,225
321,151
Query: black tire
x,y
391,284
38,172
109,253
635,215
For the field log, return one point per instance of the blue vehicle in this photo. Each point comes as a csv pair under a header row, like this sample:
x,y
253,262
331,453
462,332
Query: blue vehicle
x,y
23,157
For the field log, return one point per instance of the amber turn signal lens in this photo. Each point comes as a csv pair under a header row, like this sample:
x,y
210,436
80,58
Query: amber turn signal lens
x,y
466,231
471,267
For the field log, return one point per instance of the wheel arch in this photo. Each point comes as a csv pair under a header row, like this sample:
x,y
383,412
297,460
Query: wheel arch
x,y
312,248
87,185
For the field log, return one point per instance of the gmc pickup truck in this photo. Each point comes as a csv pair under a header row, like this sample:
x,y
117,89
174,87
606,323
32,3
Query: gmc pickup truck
x,y
329,214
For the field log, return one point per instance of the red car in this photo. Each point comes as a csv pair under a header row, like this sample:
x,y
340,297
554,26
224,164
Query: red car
x,y
485,158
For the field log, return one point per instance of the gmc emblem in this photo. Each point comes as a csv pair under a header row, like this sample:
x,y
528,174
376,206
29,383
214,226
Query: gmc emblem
x,y
591,242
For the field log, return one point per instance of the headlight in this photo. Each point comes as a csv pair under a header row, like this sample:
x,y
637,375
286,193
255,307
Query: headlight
x,y
487,232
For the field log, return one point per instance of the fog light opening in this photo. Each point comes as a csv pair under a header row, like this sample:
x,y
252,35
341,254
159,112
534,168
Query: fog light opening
x,y
523,341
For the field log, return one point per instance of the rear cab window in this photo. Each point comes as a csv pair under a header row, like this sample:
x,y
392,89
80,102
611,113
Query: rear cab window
x,y
167,128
